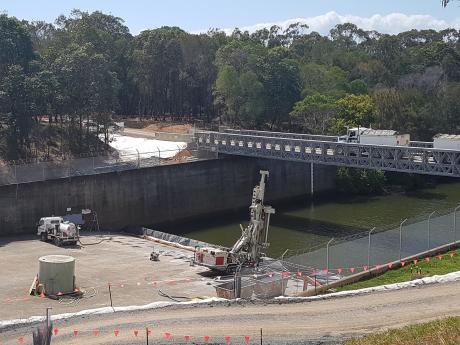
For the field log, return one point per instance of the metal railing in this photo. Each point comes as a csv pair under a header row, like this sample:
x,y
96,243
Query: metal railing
x,y
33,170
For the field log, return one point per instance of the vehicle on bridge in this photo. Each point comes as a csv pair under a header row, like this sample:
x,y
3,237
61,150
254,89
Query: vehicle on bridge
x,y
369,136
447,142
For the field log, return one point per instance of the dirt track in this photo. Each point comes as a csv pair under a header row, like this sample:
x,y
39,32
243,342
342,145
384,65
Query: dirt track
x,y
325,322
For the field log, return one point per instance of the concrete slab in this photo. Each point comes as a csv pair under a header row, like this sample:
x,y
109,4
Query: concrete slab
x,y
120,260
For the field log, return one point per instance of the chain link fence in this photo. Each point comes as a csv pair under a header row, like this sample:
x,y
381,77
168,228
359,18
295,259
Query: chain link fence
x,y
24,171
351,254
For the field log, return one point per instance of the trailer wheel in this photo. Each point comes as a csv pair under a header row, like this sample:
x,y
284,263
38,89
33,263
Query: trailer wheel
x,y
57,241
43,237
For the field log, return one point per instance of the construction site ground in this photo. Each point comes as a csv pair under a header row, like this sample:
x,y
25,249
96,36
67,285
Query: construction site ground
x,y
313,322
123,261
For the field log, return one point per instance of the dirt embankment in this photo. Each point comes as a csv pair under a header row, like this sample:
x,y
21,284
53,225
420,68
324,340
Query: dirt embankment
x,y
154,126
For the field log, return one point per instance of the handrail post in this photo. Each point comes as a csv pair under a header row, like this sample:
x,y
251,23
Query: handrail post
x,y
327,260
400,237
429,229
369,248
455,223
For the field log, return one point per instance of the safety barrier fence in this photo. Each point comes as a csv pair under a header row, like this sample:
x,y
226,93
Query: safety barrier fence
x,y
380,245
33,170
147,335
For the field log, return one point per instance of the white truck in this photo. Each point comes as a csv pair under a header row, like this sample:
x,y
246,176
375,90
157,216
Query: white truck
x,y
369,136
57,230
446,142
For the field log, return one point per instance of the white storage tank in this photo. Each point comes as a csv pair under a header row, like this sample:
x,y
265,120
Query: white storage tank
x,y
57,274
447,142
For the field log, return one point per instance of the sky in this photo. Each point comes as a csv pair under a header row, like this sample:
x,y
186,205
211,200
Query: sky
x,y
389,16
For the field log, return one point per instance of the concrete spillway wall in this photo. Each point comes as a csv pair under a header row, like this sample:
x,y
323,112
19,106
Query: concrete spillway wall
x,y
158,194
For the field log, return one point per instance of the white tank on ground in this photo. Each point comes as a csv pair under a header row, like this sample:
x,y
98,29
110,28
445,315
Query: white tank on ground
x,y
57,274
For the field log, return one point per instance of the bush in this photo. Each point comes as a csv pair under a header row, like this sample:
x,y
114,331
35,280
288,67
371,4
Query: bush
x,y
360,181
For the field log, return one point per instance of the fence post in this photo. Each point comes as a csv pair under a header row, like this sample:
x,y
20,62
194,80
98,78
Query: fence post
x,y
455,223
327,260
369,249
400,237
159,156
138,159
429,229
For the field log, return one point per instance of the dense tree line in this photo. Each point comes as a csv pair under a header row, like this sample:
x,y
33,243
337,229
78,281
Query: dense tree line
x,y
86,68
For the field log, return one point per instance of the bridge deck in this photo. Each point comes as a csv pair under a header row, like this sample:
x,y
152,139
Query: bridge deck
x,y
326,150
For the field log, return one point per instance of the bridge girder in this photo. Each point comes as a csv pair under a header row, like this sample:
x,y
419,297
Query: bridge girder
x,y
326,150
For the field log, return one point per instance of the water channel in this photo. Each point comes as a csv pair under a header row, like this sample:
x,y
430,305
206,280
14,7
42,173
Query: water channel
x,y
305,224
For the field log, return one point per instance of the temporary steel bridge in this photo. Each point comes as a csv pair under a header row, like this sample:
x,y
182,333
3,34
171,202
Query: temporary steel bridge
x,y
419,157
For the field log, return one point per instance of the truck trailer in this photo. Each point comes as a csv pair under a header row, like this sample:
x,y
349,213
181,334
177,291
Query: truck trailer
x,y
447,142
369,136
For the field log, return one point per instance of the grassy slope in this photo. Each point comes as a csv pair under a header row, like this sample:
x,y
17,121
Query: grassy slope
x,y
434,267
441,332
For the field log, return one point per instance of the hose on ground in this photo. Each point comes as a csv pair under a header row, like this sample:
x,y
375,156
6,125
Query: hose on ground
x,y
173,298
93,243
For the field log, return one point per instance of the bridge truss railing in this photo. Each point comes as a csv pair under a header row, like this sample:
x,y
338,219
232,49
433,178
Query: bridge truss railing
x,y
420,160
282,135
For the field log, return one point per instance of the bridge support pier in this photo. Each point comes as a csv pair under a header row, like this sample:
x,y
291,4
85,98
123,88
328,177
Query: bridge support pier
x,y
312,180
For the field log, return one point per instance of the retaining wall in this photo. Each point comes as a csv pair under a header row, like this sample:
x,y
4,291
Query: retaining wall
x,y
157,195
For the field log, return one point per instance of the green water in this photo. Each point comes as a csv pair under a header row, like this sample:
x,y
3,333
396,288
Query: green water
x,y
308,224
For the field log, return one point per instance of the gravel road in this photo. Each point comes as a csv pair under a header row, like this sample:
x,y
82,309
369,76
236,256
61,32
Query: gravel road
x,y
314,322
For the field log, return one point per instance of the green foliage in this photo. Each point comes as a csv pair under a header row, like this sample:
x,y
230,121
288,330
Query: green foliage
x,y
15,44
360,181
88,67
323,79
354,110
440,332
315,113
358,87
433,267
241,94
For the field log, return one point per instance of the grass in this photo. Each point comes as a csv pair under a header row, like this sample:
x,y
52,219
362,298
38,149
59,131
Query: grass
x,y
433,267
440,332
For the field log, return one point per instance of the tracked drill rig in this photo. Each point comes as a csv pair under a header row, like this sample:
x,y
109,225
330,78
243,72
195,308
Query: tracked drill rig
x,y
247,251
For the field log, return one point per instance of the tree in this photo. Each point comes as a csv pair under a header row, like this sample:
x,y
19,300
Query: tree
x,y
360,181
323,79
241,97
15,44
358,87
315,113
281,79
17,103
354,110
89,88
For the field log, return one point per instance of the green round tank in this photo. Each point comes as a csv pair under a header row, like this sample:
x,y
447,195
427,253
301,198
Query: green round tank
x,y
57,274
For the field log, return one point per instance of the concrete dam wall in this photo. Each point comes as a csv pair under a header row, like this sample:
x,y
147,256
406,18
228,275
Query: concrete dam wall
x,y
157,195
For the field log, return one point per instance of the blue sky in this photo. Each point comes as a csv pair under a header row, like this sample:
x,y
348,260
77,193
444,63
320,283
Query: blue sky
x,y
199,15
